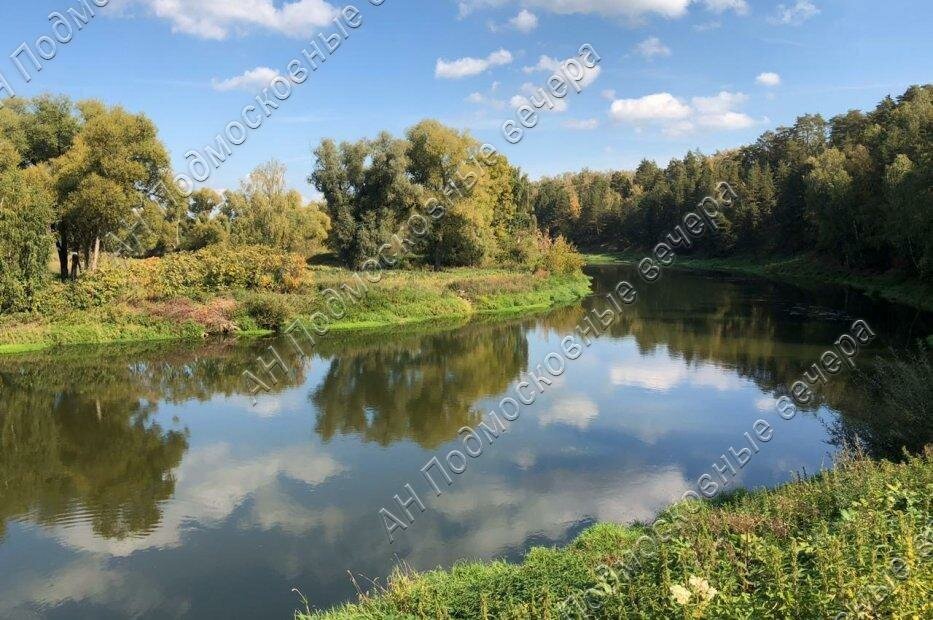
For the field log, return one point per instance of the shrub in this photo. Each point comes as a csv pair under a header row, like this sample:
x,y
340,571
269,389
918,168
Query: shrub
x,y
226,268
556,256
267,310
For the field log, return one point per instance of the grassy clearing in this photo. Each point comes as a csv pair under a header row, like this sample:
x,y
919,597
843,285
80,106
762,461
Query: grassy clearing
x,y
857,538
124,313
799,270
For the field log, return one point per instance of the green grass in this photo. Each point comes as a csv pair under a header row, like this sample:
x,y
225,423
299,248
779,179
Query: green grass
x,y
804,270
400,298
856,538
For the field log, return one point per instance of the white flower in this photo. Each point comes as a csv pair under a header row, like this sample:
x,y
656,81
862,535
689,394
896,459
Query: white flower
x,y
680,594
702,588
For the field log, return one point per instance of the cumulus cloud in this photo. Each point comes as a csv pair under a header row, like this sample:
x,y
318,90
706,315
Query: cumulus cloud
x,y
632,10
651,47
217,19
252,80
723,102
525,21
659,106
677,117
466,67
794,14
768,78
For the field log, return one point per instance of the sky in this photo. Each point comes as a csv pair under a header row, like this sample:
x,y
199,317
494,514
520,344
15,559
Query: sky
x,y
674,75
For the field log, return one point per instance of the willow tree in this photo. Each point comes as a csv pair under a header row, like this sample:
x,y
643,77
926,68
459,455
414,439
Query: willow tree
x,y
265,212
112,167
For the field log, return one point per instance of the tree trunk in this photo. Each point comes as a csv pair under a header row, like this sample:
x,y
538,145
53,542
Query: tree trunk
x,y
62,247
96,254
75,265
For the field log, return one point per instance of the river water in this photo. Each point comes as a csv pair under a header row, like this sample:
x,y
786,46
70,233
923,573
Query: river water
x,y
144,481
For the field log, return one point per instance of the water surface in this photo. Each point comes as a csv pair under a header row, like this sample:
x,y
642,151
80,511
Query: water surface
x,y
144,481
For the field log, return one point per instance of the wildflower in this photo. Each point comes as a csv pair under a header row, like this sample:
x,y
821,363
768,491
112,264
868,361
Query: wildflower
x,y
702,588
680,594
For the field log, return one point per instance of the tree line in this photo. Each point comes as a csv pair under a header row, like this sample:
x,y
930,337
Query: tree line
x,y
856,187
79,178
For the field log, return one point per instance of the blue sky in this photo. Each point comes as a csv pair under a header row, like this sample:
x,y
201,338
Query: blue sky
x,y
674,75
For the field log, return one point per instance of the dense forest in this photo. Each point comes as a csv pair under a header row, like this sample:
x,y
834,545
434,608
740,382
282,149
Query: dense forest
x,y
856,188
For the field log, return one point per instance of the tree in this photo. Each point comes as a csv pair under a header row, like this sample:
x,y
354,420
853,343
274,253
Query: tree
x,y
372,187
265,212
115,159
25,229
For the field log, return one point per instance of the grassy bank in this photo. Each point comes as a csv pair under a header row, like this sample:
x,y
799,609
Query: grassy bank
x,y
804,270
109,308
855,538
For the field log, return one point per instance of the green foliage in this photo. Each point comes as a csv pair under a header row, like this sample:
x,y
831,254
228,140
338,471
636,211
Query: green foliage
x,y
25,224
268,310
859,188
104,175
854,539
557,256
265,212
478,208
224,268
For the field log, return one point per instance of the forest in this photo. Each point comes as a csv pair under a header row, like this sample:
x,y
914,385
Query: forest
x,y
856,188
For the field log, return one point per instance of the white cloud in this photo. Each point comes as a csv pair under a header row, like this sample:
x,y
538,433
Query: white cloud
x,y
726,120
677,118
795,14
466,67
720,6
252,80
609,94
768,78
545,63
718,112
723,102
587,124
216,19
651,47
659,106
632,10
525,21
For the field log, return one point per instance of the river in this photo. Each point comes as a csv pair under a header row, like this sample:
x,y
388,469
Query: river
x,y
144,480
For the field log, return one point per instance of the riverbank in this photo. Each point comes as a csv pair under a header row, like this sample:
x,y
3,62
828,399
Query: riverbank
x,y
102,310
801,270
854,538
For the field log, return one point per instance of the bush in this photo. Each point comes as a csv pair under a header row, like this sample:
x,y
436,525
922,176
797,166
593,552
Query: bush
x,y
226,268
267,310
555,255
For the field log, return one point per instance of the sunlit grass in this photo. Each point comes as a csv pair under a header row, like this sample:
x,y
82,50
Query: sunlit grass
x,y
856,539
